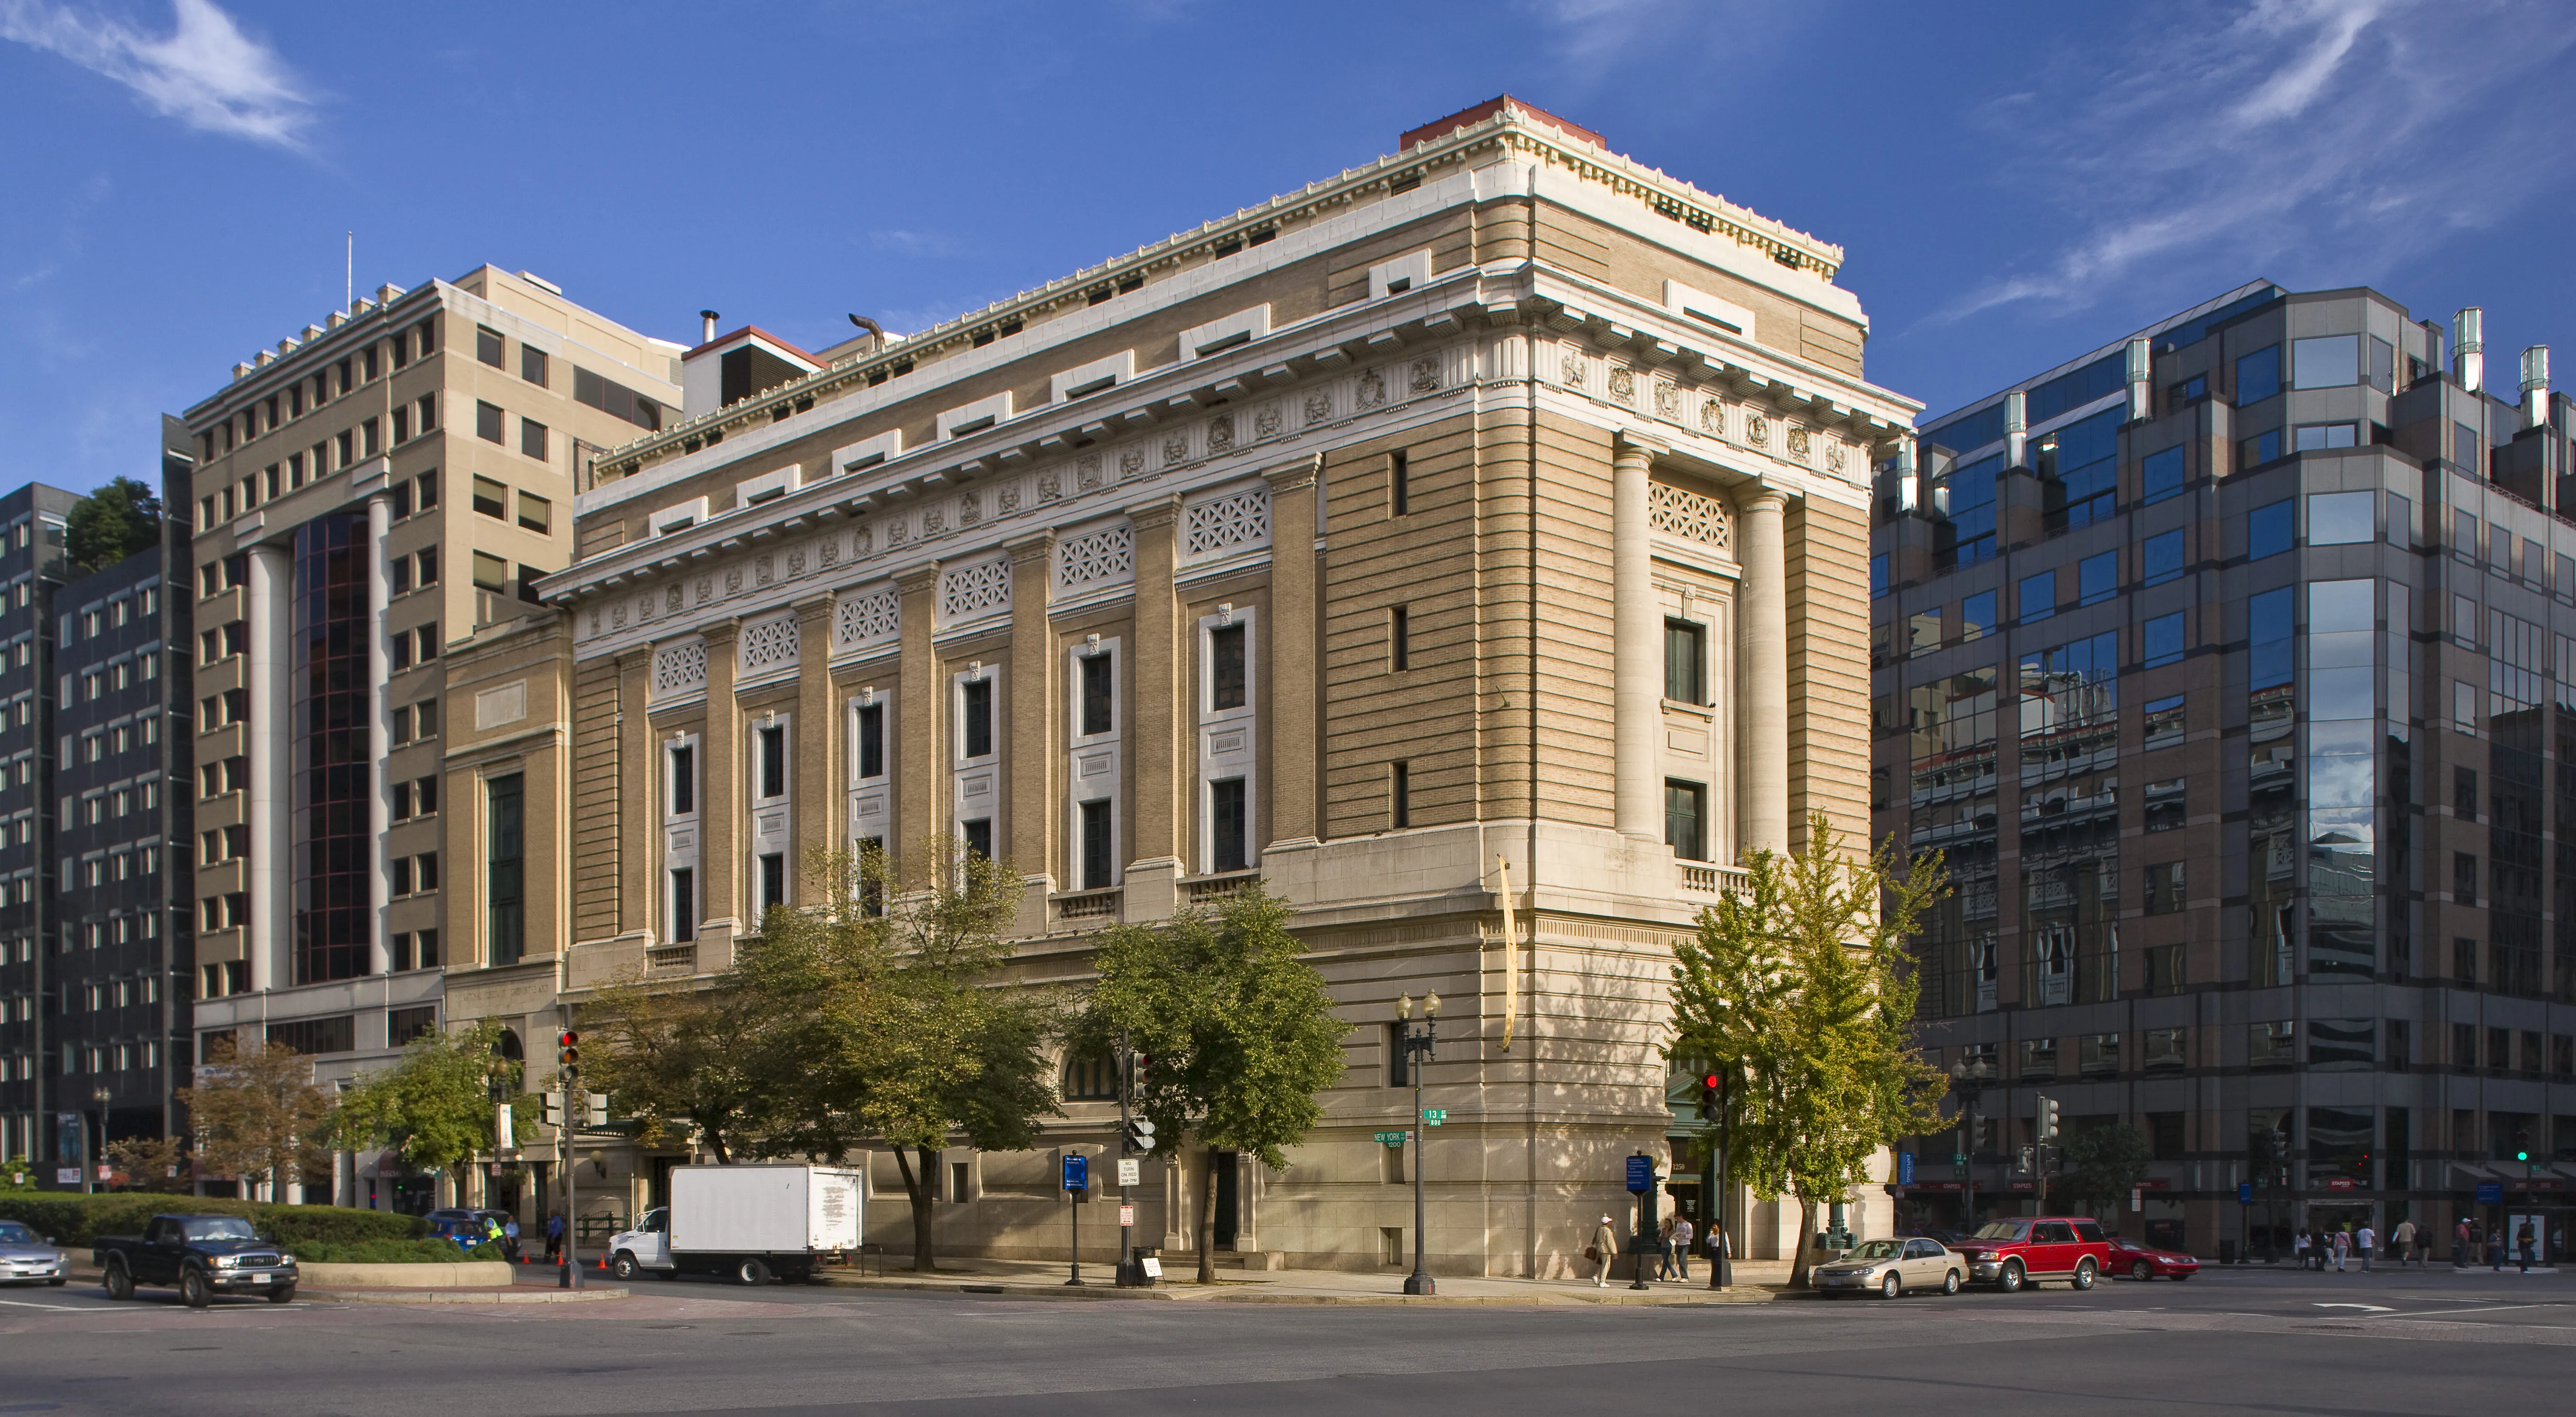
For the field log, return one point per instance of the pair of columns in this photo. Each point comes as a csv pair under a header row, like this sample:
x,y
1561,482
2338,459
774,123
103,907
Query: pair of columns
x,y
1761,685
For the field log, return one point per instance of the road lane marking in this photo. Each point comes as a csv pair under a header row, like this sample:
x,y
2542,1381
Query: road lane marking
x,y
2373,1308
63,1308
2490,1309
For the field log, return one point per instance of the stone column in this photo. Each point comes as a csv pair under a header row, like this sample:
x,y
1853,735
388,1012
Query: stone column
x,y
1638,656
269,944
921,737
1036,742
1762,673
720,803
1155,701
379,738
1294,678
819,741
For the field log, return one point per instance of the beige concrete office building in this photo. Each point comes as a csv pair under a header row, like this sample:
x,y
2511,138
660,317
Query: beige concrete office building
x,y
377,489
1504,501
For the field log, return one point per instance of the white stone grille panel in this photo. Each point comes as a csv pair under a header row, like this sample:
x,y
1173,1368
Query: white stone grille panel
x,y
1104,557
769,644
1228,523
966,592
1691,516
867,618
679,669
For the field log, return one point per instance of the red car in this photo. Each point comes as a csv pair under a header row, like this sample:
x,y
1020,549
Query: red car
x,y
2137,1261
2011,1253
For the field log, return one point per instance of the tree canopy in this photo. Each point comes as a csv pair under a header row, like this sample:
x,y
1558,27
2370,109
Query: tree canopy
x,y
259,1113
2101,1161
435,1104
112,523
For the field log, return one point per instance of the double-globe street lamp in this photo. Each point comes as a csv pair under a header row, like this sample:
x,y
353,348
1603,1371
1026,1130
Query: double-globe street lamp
x,y
1417,1051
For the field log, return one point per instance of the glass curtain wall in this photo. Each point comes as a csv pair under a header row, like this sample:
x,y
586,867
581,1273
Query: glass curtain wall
x,y
331,765
2070,822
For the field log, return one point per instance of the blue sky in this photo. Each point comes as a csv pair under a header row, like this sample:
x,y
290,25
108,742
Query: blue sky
x,y
2014,183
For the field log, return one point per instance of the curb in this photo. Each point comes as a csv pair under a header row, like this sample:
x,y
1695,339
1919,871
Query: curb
x,y
1265,1294
522,1295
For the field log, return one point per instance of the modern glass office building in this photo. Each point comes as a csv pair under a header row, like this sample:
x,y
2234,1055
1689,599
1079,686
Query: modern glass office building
x,y
2232,666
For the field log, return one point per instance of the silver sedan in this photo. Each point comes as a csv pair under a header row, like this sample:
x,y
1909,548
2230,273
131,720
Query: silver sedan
x,y
1889,1268
29,1258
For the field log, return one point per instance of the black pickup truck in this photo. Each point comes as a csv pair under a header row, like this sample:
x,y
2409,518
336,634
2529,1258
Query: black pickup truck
x,y
204,1255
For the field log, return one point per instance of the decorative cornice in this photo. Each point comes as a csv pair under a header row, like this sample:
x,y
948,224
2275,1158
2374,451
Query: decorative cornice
x,y
1296,476
1036,546
1157,513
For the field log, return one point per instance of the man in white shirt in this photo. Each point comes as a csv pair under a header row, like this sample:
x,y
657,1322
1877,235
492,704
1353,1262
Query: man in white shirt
x,y
1682,1234
2362,1241
2401,1242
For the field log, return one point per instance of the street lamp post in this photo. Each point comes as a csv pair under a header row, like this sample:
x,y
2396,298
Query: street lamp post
x,y
89,1163
1969,1080
1417,1051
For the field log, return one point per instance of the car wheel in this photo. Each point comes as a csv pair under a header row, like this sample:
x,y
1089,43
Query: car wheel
x,y
2010,1281
282,1294
56,1282
624,1266
194,1291
1950,1282
120,1284
1891,1286
751,1272
2084,1274
2142,1270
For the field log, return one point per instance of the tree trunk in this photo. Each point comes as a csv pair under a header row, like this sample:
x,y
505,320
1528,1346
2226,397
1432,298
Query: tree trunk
x,y
1207,1224
1806,1241
919,1189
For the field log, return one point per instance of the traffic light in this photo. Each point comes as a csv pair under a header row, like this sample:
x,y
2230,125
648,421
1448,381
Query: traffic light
x,y
2029,1160
554,1109
1711,1101
2522,1147
595,1114
1139,1137
568,1058
2045,1132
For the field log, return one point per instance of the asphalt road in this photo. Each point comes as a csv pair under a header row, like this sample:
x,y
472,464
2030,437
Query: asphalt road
x,y
2428,1342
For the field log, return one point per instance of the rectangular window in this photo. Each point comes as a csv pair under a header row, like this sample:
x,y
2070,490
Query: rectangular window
x,y
1400,790
2325,362
427,482
429,566
1685,811
2464,878
428,637
2161,557
2261,448
490,572
773,761
2163,722
1976,616
773,881
2320,437
368,446
536,513
1096,844
2162,639
2168,804
2097,578
871,740
491,498
1399,638
2164,893
400,573
2258,376
2160,475
532,439
684,904
1399,489
978,713
1226,825
504,800
2038,596
487,345
1098,693
532,364
979,838
683,772
1227,677
1684,655
487,424
1399,1063
2464,792
2269,530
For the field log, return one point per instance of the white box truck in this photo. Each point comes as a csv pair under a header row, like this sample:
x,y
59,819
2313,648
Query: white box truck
x,y
749,1223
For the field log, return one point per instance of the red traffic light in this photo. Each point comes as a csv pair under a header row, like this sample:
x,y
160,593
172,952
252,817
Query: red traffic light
x,y
1709,1082
569,1039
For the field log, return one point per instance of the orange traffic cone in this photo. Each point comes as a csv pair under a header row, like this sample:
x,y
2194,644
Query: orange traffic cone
x,y
603,1261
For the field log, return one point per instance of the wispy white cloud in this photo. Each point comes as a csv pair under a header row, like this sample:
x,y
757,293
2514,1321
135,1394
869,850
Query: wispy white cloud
x,y
206,73
915,243
2321,139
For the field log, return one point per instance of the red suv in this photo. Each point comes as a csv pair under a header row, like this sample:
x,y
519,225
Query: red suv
x,y
2011,1253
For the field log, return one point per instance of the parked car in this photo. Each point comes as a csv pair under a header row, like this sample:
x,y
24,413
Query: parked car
x,y
1891,1267
204,1255
468,1228
29,1258
2011,1253
2142,1261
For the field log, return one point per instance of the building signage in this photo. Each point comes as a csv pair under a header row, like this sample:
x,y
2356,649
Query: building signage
x,y
1077,1173
2490,1192
1641,1174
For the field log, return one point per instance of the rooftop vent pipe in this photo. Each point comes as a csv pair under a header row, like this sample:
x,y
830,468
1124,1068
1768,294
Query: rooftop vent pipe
x,y
707,326
873,328
2469,348
2535,386
2142,372
2016,428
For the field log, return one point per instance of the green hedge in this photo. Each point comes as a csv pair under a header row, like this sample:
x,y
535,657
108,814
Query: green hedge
x,y
76,1220
389,1252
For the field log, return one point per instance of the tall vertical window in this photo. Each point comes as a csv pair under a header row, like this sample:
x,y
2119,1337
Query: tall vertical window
x,y
684,905
979,717
1400,789
333,929
871,740
1098,693
1227,681
773,761
1097,822
1399,483
684,780
1685,811
487,345
504,800
773,880
1399,638
532,364
979,837
1228,850
1685,648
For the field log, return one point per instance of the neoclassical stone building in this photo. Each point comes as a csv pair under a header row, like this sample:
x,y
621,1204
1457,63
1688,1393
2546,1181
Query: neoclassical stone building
x,y
1501,503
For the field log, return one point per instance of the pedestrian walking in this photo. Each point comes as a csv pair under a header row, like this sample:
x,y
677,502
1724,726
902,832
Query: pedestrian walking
x,y
510,1240
2401,1242
2362,1241
2460,1244
2495,1249
1664,1249
554,1237
2523,1240
2342,1248
1682,1234
2299,1249
1604,1244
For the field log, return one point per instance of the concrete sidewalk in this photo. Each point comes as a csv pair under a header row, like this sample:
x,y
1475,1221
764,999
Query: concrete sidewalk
x,y
1045,1279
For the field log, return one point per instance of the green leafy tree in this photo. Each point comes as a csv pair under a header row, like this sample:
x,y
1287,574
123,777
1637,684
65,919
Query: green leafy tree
x,y
259,1113
1237,1032
699,1063
435,1104
1801,983
2101,1161
886,993
152,1164
18,1177
112,523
